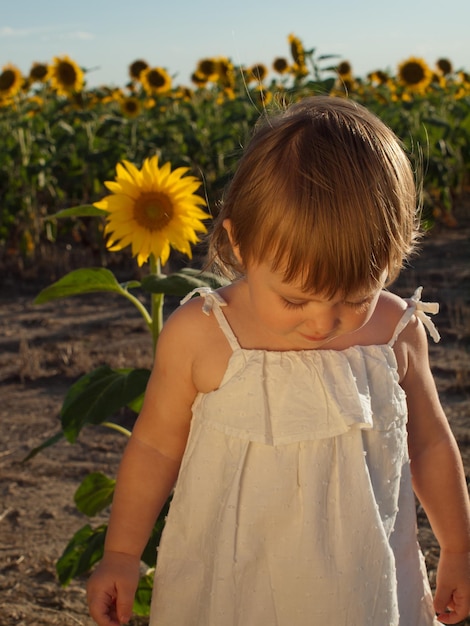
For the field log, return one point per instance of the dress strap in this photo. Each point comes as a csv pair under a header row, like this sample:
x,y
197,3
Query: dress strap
x,y
213,303
418,308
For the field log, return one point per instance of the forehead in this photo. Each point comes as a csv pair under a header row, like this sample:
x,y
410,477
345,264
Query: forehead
x,y
275,278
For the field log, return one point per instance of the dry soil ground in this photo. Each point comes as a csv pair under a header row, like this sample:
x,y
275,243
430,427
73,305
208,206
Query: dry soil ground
x,y
43,349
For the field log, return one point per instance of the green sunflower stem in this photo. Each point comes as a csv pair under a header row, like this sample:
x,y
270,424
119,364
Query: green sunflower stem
x,y
120,429
156,304
139,306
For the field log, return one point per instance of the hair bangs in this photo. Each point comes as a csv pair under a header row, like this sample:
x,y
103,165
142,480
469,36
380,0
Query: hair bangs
x,y
326,195
322,256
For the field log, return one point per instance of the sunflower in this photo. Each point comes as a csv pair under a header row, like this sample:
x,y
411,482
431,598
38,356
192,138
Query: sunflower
x,y
299,67
155,80
200,80
415,74
38,72
258,72
344,69
65,76
343,86
110,94
378,77
136,68
130,106
281,65
225,94
444,66
11,81
183,93
299,70
262,96
5,102
152,209
296,49
208,68
34,105
226,73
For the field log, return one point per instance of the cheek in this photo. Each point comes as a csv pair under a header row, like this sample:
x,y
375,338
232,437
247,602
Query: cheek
x,y
268,317
359,319
272,315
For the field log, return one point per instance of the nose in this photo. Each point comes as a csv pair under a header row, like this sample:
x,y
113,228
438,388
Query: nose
x,y
322,322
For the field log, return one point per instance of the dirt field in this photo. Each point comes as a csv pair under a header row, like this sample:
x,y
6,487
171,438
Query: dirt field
x,y
43,349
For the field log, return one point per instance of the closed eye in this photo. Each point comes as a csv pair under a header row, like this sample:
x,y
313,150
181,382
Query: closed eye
x,y
359,306
294,305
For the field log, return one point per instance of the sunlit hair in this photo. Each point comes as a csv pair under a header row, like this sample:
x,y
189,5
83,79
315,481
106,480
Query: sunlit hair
x,y
324,193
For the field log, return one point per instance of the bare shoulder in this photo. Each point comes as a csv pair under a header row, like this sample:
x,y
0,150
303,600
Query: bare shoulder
x,y
411,346
192,341
385,318
186,319
185,328
391,306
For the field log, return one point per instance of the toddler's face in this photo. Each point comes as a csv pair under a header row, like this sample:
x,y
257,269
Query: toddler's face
x,y
304,320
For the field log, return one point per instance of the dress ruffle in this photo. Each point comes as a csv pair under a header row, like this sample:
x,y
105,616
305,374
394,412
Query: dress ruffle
x,y
308,395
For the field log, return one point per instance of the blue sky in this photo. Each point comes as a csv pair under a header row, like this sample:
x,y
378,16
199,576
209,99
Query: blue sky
x,y
105,37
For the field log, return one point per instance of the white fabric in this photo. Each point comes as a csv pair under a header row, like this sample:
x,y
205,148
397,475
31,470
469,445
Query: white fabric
x,y
293,505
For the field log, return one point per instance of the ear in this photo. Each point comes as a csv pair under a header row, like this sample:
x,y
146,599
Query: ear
x,y
227,224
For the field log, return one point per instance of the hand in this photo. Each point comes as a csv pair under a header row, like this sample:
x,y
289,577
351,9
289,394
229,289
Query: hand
x,y
111,589
452,598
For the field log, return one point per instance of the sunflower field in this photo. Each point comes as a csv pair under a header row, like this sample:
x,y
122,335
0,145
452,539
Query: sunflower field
x,y
62,140
151,144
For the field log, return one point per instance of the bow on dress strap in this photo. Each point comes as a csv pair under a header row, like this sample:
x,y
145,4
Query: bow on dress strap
x,y
210,296
421,308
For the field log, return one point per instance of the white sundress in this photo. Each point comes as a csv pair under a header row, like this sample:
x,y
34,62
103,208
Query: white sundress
x,y
293,505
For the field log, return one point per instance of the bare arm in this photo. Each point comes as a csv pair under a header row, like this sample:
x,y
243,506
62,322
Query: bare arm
x,y
438,478
147,474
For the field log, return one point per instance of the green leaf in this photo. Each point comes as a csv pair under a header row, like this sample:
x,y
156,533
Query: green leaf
x,y
137,404
85,280
94,494
143,594
46,444
87,546
182,282
98,395
84,210
81,553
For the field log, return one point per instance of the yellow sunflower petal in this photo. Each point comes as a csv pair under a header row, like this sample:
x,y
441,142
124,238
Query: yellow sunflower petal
x,y
123,186
153,210
165,252
127,171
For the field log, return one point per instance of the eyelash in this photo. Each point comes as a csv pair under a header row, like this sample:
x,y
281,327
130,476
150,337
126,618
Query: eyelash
x,y
294,305
358,306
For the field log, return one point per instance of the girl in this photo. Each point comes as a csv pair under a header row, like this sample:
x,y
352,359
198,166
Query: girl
x,y
295,408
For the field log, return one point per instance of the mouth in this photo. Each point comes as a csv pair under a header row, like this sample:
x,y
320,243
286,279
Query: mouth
x,y
316,338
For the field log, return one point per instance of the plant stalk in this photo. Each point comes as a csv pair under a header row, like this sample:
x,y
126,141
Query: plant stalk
x,y
120,429
156,304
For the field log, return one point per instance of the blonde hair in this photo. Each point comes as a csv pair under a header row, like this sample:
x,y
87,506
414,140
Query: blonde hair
x,y
326,194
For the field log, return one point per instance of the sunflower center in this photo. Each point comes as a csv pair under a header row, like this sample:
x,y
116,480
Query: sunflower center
x,y
137,67
66,74
413,73
7,80
153,211
155,78
38,72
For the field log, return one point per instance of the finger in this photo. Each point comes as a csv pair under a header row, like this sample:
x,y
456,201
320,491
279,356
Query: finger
x,y
453,610
124,604
443,601
103,610
450,617
453,614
